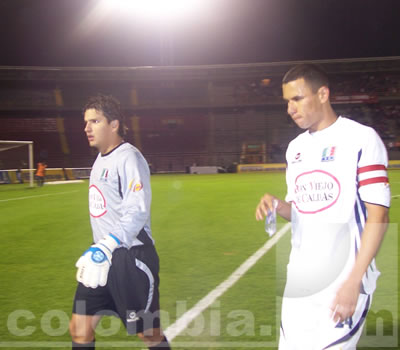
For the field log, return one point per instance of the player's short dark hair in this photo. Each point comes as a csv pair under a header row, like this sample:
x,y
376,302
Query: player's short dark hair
x,y
110,107
312,74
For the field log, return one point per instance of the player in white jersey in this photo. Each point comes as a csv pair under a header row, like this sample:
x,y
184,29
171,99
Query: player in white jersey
x,y
337,199
118,274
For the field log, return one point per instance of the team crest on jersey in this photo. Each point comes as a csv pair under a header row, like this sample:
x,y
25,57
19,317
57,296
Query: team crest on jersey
x,y
135,186
328,154
104,175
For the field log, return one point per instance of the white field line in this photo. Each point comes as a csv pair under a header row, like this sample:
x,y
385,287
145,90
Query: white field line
x,y
396,196
39,195
63,182
180,324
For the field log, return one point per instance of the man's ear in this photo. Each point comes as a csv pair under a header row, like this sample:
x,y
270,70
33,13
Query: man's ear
x,y
115,124
323,94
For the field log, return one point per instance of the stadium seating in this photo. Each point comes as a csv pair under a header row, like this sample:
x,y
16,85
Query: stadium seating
x,y
180,116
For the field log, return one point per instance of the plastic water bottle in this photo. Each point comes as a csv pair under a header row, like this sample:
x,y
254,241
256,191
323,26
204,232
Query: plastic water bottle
x,y
270,220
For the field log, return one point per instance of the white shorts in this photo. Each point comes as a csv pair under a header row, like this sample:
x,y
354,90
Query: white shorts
x,y
306,323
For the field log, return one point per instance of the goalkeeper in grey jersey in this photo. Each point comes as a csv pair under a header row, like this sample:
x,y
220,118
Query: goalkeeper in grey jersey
x,y
118,274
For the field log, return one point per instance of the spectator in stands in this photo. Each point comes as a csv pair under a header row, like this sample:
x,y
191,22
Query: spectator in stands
x,y
40,173
119,205
337,199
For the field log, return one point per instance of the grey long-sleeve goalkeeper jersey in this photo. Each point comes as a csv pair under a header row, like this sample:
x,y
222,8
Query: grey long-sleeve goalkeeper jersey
x,y
120,196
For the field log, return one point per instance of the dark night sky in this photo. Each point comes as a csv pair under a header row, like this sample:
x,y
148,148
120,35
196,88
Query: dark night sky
x,y
49,33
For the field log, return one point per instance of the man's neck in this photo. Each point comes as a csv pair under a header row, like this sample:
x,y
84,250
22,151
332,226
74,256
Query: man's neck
x,y
330,118
111,147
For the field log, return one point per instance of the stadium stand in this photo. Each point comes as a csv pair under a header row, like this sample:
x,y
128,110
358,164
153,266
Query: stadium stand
x,y
181,116
43,133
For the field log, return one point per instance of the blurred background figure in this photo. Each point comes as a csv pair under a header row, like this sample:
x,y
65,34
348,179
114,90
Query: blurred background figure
x,y
40,173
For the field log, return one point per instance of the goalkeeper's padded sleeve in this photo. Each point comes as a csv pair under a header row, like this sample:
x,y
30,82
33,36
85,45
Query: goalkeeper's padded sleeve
x,y
94,264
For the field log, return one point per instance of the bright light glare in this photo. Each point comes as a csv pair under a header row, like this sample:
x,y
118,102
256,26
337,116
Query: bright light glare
x,y
159,9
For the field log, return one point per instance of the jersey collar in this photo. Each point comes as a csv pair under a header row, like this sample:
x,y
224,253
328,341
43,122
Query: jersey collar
x,y
108,153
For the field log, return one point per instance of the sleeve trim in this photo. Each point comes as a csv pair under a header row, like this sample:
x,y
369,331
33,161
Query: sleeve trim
x,y
374,180
367,168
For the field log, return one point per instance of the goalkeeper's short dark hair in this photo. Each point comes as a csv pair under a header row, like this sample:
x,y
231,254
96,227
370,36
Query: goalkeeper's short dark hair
x,y
110,107
312,74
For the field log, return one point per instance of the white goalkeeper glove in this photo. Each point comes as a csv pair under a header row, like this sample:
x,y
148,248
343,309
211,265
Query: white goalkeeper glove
x,y
94,264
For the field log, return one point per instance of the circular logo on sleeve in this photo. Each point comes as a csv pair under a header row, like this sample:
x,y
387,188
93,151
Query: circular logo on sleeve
x,y
97,202
315,191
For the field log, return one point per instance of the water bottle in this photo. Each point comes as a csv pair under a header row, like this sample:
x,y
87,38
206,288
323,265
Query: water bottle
x,y
270,219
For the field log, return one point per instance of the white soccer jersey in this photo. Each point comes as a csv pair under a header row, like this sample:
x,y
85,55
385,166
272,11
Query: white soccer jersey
x,y
330,174
120,196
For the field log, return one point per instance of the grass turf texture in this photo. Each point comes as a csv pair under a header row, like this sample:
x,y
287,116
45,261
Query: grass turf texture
x,y
204,228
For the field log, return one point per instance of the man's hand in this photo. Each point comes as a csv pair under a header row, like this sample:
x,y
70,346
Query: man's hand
x,y
266,204
345,302
94,264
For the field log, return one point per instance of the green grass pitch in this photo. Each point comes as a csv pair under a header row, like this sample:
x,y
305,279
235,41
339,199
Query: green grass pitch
x,y
204,227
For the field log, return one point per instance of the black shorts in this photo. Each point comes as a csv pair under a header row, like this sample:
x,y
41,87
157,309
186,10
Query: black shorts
x,y
131,292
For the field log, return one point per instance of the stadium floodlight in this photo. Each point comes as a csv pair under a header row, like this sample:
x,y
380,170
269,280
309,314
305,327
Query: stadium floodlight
x,y
6,145
157,9
162,16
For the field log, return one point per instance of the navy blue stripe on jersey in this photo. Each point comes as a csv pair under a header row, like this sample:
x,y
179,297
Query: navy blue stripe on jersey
x,y
358,218
361,217
120,187
358,160
360,213
283,331
359,155
359,205
359,221
355,329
